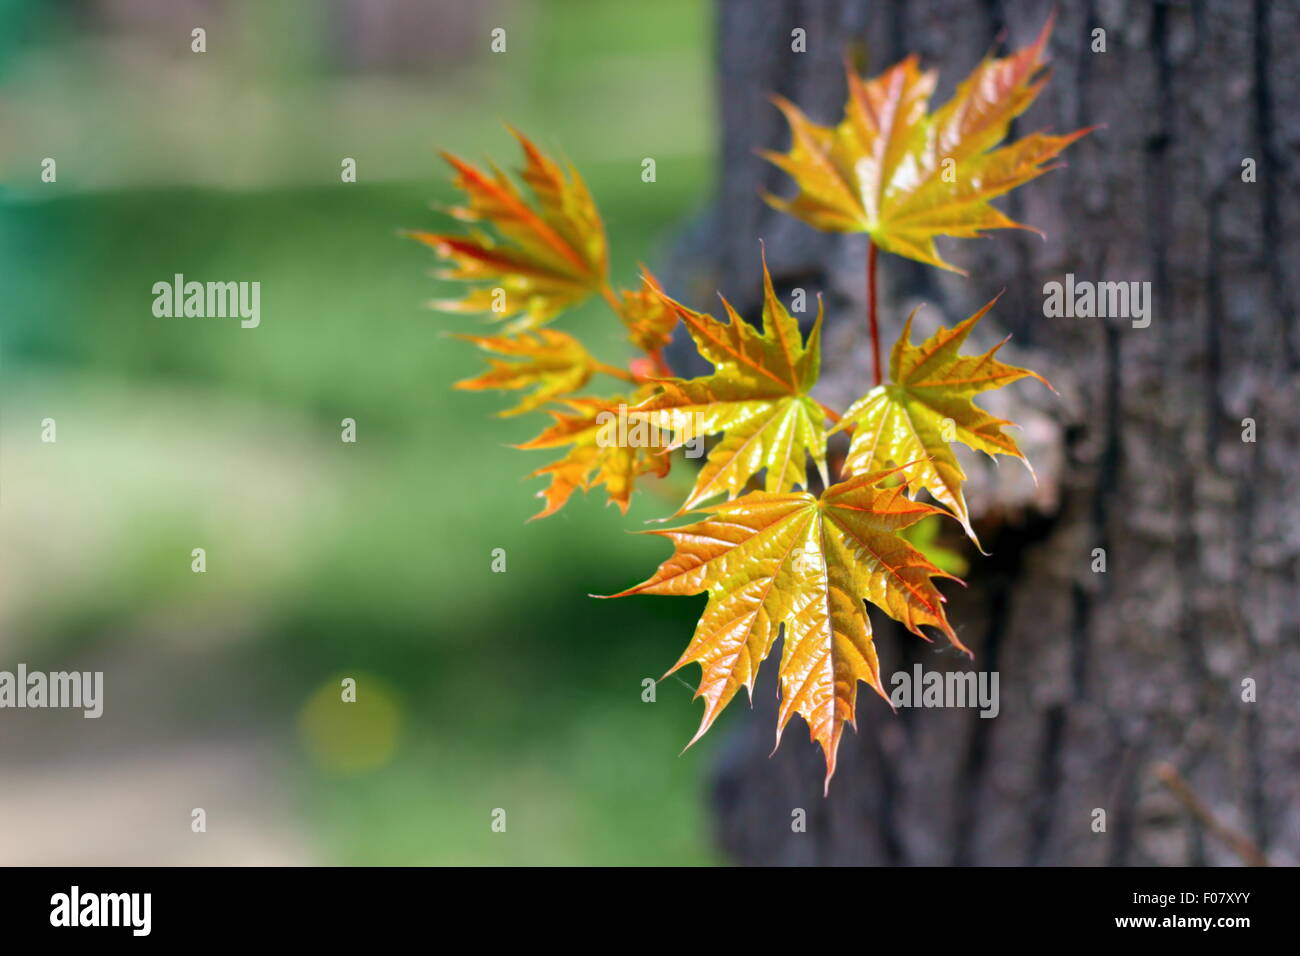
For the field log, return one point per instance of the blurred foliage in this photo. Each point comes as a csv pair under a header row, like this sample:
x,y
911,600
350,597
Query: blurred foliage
x,y
511,690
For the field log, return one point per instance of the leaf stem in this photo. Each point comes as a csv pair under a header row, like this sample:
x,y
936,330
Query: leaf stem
x,y
661,365
611,298
614,371
829,412
871,307
656,355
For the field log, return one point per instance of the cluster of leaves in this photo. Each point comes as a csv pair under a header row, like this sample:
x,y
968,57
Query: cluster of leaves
x,y
548,255
777,559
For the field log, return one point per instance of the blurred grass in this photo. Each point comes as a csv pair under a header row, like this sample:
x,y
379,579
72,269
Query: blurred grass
x,y
513,690
519,689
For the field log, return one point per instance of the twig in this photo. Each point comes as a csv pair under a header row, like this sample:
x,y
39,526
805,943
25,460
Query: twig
x,y
872,251
1237,841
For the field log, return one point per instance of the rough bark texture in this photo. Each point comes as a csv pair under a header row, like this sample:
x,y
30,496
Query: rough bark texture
x,y
1103,676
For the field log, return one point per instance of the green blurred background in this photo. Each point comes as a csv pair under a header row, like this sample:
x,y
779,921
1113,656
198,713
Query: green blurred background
x,y
476,690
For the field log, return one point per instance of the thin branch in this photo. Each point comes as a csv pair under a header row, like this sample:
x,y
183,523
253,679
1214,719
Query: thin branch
x,y
871,307
1237,841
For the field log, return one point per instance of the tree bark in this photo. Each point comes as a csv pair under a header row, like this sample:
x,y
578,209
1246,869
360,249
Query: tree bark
x,y
1104,677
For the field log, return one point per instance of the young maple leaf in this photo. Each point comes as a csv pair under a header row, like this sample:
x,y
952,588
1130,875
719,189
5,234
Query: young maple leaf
x,y
903,175
554,363
553,254
597,457
805,563
649,319
928,404
757,395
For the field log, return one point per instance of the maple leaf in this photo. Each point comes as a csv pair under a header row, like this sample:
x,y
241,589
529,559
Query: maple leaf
x,y
554,363
928,404
803,563
903,175
552,254
598,456
649,319
757,395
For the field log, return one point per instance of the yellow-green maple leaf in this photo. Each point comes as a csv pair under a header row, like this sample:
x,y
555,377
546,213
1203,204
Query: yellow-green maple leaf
x,y
758,395
805,563
911,421
903,175
552,363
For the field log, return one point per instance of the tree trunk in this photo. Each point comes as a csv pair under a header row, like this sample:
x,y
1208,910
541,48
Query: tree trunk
x,y
1104,676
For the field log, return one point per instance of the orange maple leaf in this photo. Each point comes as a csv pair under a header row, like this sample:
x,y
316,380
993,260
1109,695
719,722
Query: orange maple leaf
x,y
552,254
598,456
804,563
552,363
